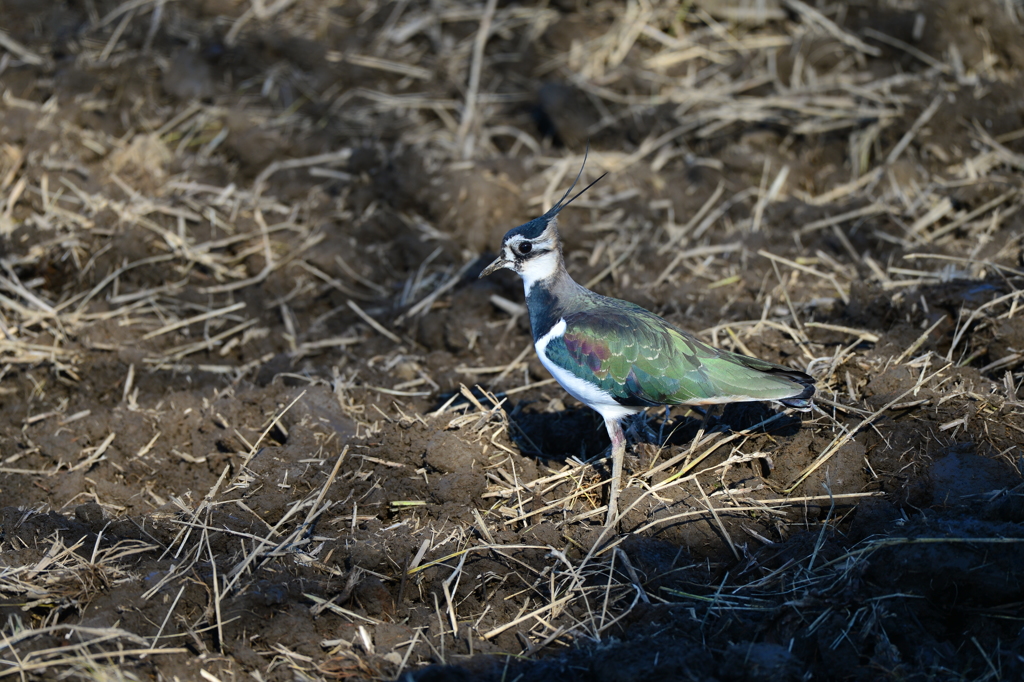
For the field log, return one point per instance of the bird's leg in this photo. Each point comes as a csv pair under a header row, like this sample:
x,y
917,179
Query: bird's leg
x,y
704,423
639,429
664,423
618,454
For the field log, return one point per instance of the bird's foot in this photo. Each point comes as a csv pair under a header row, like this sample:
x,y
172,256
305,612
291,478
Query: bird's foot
x,y
639,430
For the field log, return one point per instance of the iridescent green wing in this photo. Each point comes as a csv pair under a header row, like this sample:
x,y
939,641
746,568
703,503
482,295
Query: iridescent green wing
x,y
642,360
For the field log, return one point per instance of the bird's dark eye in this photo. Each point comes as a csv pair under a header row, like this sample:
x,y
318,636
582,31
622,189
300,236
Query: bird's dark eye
x,y
525,248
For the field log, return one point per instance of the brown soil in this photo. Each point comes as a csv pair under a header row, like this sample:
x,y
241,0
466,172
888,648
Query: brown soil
x,y
258,416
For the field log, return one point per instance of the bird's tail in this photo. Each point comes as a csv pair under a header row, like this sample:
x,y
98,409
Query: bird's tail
x,y
803,400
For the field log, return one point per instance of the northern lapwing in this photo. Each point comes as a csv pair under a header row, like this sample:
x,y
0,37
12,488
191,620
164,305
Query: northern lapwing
x,y
618,358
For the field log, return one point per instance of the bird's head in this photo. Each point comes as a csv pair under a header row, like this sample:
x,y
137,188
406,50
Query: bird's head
x,y
533,249
530,249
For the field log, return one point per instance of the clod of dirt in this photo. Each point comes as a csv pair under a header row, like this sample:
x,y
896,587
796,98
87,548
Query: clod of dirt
x,y
188,77
1007,507
953,561
89,513
461,487
317,405
658,563
446,329
872,516
565,114
448,453
253,147
477,206
374,597
760,662
887,386
1007,338
961,476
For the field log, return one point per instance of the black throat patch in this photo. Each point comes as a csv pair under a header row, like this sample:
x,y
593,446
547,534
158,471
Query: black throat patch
x,y
544,309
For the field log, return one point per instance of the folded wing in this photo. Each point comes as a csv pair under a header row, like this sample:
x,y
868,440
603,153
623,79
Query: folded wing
x,y
642,360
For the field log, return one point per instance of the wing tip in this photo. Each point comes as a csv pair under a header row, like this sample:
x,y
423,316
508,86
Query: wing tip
x,y
803,400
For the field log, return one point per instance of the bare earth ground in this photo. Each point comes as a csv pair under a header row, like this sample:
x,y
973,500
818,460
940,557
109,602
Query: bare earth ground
x,y
259,417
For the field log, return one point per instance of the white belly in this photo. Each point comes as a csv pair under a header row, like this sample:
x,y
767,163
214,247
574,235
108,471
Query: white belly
x,y
588,394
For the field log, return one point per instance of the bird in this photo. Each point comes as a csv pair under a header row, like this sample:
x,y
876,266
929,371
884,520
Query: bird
x,y
619,358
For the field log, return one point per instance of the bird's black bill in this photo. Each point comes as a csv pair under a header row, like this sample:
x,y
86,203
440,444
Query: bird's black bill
x,y
498,264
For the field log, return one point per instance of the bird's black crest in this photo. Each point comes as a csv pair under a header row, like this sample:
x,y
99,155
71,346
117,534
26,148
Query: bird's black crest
x,y
536,227
530,230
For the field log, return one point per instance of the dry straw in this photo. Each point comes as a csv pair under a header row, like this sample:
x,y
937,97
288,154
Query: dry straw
x,y
718,72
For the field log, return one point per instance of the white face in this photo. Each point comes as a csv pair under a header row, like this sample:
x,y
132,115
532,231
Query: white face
x,y
534,259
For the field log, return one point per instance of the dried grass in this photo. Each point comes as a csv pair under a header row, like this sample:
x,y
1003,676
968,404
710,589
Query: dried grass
x,y
712,76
